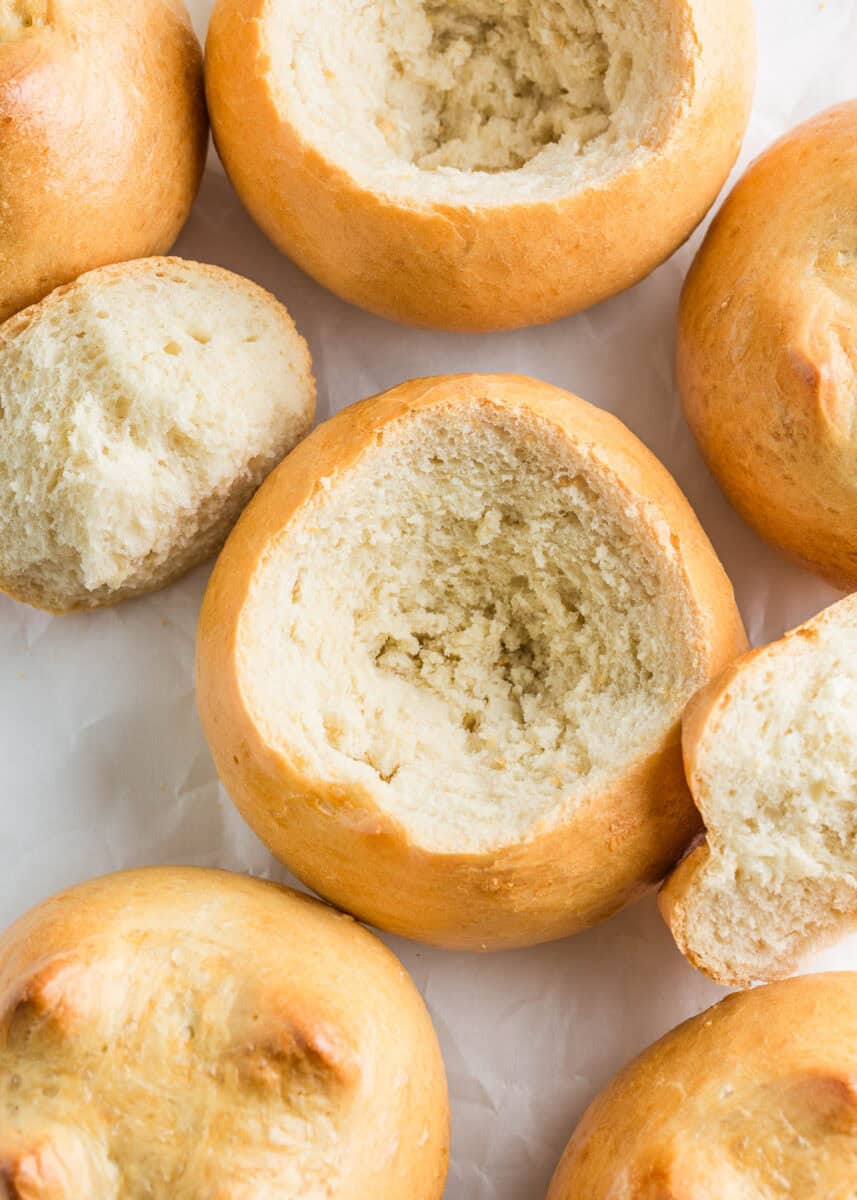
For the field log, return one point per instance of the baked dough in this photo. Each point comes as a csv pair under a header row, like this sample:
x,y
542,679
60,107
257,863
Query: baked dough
x,y
191,1034
770,753
142,405
767,351
442,660
103,134
753,1100
479,164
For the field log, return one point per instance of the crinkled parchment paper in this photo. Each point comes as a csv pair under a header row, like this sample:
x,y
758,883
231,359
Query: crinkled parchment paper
x,y
104,764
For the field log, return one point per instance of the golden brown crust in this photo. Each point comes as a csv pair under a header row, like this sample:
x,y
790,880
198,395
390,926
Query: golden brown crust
x,y
210,1034
699,724
618,844
754,1098
103,134
479,268
767,355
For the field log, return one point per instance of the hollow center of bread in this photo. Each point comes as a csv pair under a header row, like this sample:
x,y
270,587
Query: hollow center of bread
x,y
18,16
488,86
436,88
467,624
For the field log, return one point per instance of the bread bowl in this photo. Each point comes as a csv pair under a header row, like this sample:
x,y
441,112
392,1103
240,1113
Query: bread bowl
x,y
753,1099
771,757
477,164
142,405
767,349
442,659
187,1033
103,133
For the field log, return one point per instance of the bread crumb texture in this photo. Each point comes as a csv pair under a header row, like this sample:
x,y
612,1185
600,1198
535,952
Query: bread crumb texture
x,y
774,774
469,624
435,97
140,408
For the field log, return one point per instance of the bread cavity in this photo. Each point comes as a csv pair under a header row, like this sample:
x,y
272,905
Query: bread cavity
x,y
489,99
140,408
468,625
775,777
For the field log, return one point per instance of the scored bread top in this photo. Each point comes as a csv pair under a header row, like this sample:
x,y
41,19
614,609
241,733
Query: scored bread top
x,y
142,405
461,623
771,758
187,1033
754,1098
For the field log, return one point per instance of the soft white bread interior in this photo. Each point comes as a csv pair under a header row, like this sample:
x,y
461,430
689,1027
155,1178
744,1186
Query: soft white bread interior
x,y
771,755
192,1034
754,1099
141,407
480,102
488,153
466,617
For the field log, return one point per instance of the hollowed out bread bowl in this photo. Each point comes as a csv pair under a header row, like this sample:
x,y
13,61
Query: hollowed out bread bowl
x,y
140,407
478,164
753,1100
103,133
188,1033
443,656
767,350
771,756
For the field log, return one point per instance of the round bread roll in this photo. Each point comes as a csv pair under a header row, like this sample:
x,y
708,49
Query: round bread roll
x,y
141,407
753,1100
103,134
767,352
443,657
770,751
482,164
187,1033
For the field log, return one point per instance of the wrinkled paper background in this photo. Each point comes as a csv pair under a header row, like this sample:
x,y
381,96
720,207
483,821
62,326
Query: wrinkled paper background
x,y
104,764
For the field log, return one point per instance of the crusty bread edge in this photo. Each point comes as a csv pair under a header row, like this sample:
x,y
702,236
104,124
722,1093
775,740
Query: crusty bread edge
x,y
700,720
466,267
618,844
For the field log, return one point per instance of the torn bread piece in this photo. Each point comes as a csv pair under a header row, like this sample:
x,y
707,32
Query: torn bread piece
x,y
771,757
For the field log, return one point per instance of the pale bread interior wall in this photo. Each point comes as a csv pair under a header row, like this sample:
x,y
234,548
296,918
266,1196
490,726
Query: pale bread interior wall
x,y
776,778
469,625
480,100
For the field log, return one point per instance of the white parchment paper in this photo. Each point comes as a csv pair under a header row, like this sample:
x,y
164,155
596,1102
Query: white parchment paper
x,y
104,765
